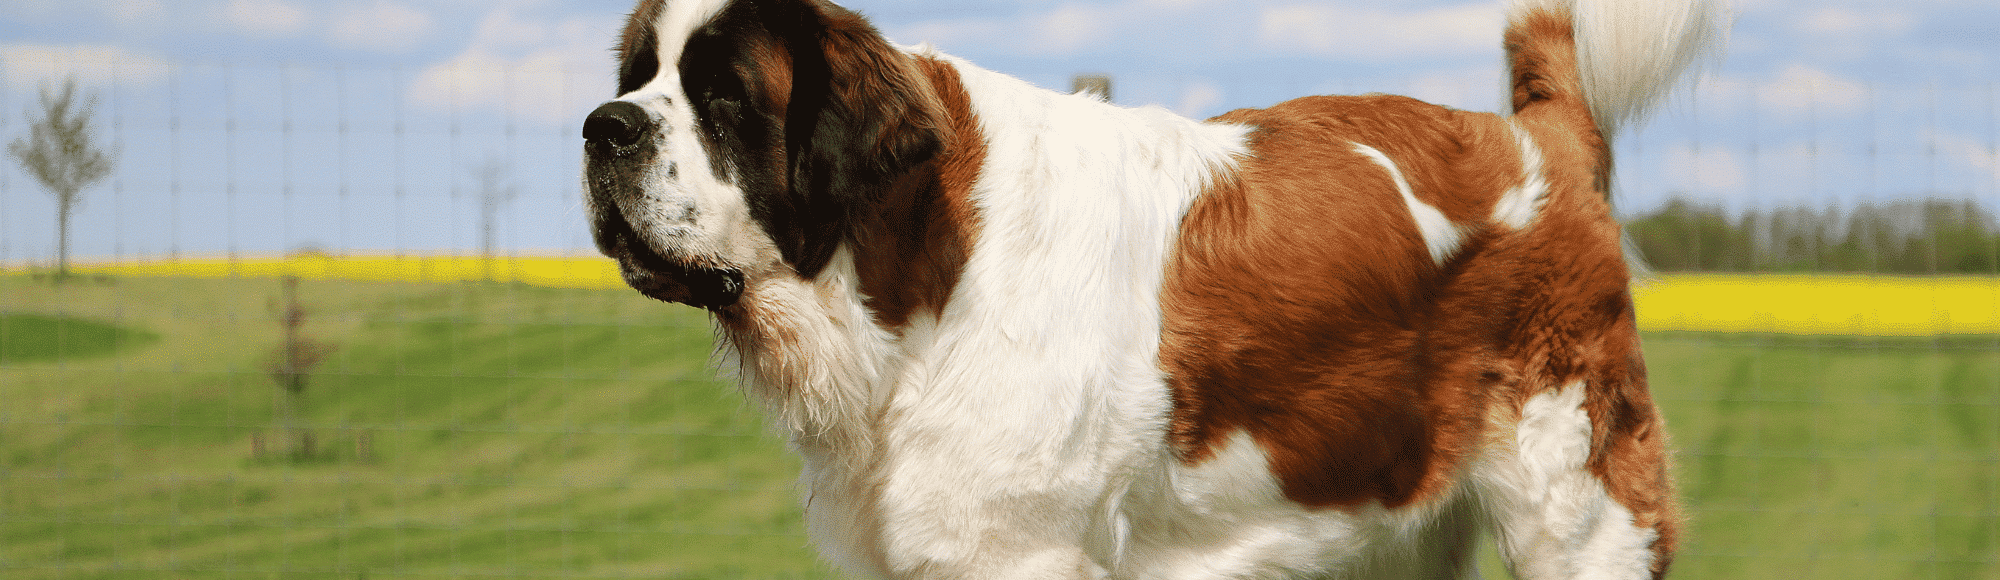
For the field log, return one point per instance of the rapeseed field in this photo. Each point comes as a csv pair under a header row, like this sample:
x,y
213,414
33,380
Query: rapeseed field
x,y
1805,304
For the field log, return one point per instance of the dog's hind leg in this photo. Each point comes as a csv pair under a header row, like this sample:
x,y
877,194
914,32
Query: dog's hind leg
x,y
1556,517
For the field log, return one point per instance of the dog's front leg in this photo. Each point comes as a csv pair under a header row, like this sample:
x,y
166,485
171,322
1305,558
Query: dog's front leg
x,y
948,528
998,494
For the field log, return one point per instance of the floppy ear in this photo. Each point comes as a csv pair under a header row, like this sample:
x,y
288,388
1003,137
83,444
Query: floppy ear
x,y
861,117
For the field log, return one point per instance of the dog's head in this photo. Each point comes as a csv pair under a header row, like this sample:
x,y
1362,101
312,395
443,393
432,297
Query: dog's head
x,y
746,139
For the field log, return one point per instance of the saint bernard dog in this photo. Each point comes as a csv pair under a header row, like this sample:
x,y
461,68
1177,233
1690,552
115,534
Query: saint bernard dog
x,y
1016,333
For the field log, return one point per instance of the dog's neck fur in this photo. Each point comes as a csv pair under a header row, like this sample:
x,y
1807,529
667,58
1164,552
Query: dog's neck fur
x,y
825,367
812,354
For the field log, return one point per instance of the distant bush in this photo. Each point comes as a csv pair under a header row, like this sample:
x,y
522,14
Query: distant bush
x,y
1930,236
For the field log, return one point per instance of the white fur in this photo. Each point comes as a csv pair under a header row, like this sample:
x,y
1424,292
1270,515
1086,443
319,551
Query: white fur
x,y
1519,205
1440,236
1008,445
1228,518
1554,518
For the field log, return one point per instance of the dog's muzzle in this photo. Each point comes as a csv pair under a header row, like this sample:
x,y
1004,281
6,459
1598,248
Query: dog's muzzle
x,y
617,151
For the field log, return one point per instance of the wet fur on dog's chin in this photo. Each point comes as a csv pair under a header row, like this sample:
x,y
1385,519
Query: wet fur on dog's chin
x,y
664,279
709,288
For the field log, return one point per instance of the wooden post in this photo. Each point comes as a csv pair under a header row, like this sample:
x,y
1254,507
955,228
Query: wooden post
x,y
1094,84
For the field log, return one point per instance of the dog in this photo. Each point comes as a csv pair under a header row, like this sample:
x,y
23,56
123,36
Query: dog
x,y
1015,333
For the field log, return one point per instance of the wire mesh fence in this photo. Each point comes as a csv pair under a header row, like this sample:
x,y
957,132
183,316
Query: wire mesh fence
x,y
472,413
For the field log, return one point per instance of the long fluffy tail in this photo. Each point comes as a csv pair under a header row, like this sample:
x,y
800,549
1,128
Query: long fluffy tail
x,y
1617,57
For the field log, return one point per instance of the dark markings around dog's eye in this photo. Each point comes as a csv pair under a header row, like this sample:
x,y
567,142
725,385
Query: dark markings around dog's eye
x,y
638,57
639,69
673,170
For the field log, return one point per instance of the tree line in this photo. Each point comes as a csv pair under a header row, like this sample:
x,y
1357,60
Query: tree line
x,y
1911,236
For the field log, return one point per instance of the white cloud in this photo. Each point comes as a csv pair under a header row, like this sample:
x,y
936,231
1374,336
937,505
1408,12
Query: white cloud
x,y
381,27
267,18
137,13
1375,34
1846,21
1199,99
948,33
1182,4
1478,89
1710,171
30,9
1800,89
28,66
547,72
1072,26
1068,28
1979,157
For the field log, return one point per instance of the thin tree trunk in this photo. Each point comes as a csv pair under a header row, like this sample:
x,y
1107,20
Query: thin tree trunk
x,y
62,237
486,242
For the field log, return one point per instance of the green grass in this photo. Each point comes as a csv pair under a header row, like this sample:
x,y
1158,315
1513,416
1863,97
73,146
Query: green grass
x,y
497,431
464,431
1835,457
36,337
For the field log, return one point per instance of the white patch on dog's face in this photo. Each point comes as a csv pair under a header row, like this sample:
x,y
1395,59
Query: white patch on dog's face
x,y
681,203
679,225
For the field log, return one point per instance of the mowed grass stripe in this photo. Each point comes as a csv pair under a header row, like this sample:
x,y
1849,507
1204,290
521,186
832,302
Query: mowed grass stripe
x,y
1804,304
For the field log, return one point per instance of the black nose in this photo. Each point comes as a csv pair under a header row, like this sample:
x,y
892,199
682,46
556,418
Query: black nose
x,y
617,123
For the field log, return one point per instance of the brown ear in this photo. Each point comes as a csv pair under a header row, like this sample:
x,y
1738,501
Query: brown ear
x,y
861,116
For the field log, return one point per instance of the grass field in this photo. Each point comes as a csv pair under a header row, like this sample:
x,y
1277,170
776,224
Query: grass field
x,y
512,431
482,430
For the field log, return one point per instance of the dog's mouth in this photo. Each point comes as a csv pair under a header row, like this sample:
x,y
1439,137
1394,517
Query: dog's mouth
x,y
664,279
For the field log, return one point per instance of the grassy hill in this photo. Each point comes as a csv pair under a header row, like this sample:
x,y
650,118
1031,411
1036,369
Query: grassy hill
x,y
463,431
505,431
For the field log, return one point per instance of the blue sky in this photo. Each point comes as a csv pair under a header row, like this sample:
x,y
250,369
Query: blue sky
x,y
259,126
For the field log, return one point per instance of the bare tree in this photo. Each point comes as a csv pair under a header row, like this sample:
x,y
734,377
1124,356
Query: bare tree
x,y
291,366
58,151
494,192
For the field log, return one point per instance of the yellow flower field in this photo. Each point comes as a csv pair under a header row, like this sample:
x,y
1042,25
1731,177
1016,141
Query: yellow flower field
x,y
558,272
1777,303
1821,304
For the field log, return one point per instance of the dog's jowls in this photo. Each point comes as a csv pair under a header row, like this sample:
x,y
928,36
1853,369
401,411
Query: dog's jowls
x,y
1023,334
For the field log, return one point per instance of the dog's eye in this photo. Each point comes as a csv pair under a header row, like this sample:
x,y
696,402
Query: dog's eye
x,y
723,104
729,109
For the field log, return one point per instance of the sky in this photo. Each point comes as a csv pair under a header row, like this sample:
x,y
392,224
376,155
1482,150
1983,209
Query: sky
x,y
266,126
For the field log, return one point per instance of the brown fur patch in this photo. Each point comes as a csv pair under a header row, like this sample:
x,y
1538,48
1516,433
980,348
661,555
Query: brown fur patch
x,y
1302,306
911,254
1541,57
1302,309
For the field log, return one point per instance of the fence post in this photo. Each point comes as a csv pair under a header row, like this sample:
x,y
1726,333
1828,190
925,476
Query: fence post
x,y
1093,84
